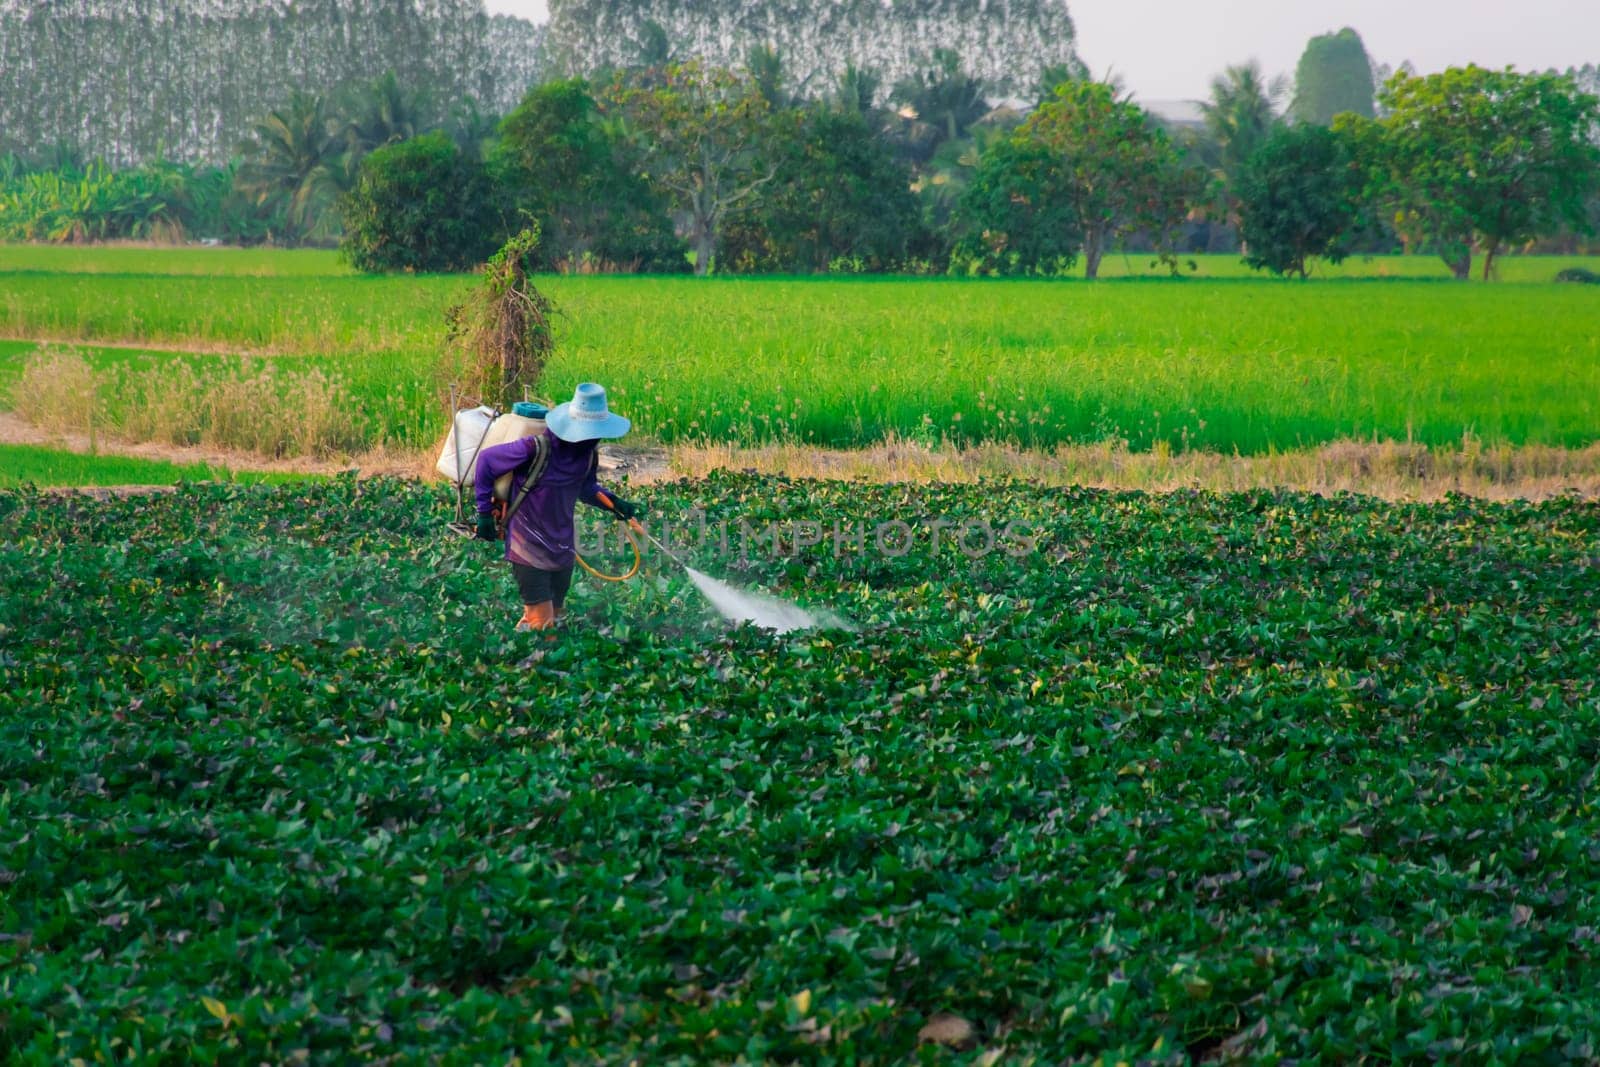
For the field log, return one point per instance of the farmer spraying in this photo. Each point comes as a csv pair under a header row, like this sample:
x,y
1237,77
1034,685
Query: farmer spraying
x,y
550,474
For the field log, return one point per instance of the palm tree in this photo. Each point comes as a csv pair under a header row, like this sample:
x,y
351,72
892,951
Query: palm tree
x,y
1055,74
857,90
765,65
384,114
1242,113
297,162
471,128
944,96
655,48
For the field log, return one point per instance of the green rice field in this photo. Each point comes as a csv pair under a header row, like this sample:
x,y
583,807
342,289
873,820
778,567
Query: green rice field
x,y
1388,350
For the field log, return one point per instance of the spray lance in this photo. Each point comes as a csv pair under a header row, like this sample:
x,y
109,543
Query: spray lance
x,y
633,529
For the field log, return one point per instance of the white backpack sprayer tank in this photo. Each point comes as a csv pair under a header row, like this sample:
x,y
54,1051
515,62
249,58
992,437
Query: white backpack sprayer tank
x,y
478,428
471,431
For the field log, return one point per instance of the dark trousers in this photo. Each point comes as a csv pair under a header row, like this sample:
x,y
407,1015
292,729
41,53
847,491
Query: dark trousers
x,y
537,586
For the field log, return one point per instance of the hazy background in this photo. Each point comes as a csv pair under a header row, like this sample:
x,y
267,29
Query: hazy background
x,y
1170,49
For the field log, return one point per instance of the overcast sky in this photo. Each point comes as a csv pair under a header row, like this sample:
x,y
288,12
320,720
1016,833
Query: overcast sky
x,y
1169,49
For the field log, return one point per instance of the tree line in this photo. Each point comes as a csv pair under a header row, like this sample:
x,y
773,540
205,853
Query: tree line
x,y
135,81
282,186
731,171
670,166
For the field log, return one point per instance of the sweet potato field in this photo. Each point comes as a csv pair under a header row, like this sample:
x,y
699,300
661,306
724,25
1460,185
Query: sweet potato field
x,y
1198,777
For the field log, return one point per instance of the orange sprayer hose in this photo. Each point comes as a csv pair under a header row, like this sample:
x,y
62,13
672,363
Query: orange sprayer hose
x,y
629,531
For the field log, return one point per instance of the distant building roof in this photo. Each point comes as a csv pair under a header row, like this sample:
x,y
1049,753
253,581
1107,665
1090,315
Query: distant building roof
x,y
1176,112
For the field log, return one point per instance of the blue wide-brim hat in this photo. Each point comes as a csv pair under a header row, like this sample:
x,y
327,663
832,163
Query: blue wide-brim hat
x,y
586,418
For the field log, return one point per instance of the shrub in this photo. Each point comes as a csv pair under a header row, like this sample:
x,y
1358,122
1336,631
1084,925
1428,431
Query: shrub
x,y
1579,275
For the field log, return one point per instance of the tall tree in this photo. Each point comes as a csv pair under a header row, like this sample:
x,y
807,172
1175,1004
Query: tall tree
x,y
1587,78
1299,199
655,48
705,129
298,161
1115,166
1334,76
1496,156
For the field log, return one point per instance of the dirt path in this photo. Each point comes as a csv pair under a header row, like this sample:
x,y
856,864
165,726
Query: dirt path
x,y
638,463
193,348
1387,470
16,431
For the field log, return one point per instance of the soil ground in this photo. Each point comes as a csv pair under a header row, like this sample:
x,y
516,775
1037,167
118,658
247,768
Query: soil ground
x,y
1389,470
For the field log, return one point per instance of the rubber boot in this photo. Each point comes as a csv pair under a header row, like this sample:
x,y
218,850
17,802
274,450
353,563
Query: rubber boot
x,y
537,617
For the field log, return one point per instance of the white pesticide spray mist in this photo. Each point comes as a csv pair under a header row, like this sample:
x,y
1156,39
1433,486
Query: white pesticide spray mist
x,y
740,605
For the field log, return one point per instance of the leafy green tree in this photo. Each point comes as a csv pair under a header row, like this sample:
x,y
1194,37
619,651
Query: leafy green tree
x,y
565,165
297,163
705,129
1424,216
1239,118
1495,158
838,196
1334,77
1116,167
1017,215
1299,199
421,205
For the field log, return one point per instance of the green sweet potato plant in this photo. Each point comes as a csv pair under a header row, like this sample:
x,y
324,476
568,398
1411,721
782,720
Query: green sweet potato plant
x,y
1248,778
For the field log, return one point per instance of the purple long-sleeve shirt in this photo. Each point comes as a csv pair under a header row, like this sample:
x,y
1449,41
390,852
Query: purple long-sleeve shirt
x,y
541,533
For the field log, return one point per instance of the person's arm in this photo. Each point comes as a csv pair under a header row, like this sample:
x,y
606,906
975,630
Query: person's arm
x,y
605,499
495,461
590,492
596,495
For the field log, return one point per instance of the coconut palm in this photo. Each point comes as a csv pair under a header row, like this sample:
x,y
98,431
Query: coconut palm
x,y
944,96
384,114
765,64
1240,116
1055,74
471,128
297,160
857,90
